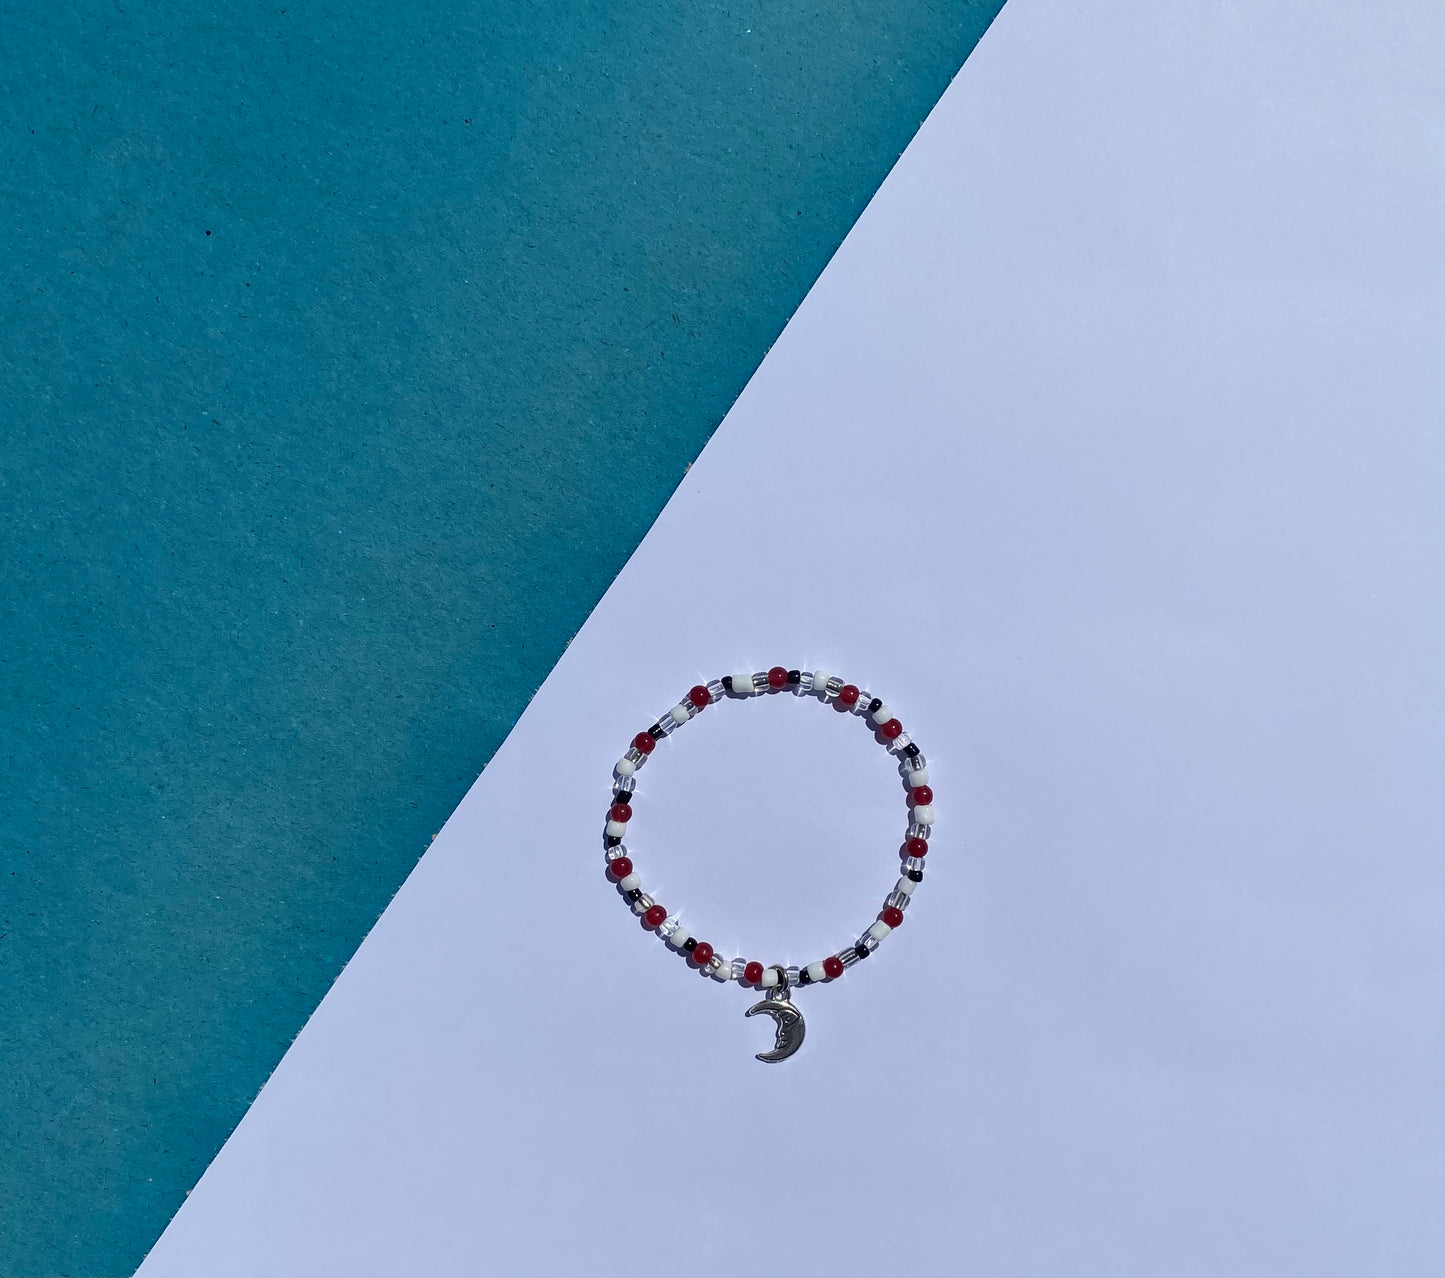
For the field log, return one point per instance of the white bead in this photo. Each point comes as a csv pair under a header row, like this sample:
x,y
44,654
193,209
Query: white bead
x,y
624,767
816,972
616,829
681,712
770,978
923,814
724,971
743,683
679,937
879,930
919,776
820,682
631,883
905,885
882,715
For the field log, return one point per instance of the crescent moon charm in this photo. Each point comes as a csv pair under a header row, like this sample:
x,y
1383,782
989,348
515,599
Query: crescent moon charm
x,y
790,1027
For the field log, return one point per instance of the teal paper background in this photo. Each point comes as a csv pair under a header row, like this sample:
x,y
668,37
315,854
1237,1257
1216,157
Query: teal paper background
x,y
347,354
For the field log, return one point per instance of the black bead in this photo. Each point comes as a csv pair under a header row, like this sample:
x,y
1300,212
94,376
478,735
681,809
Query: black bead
x,y
624,796
795,676
911,751
861,950
656,732
690,944
916,875
634,894
727,682
875,704
804,978
613,840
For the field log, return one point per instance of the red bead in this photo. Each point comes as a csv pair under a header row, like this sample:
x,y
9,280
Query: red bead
x,y
620,812
848,695
892,729
833,965
702,953
753,973
892,915
699,696
917,847
656,916
922,794
777,677
621,867
644,743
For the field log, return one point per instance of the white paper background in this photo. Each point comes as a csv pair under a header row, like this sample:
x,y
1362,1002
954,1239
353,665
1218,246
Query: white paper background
x,y
1108,449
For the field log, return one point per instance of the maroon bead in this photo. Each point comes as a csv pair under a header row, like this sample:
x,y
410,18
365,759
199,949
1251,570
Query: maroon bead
x,y
833,965
922,794
702,953
620,812
656,916
753,973
644,743
848,695
777,677
892,729
699,696
917,847
621,867
892,915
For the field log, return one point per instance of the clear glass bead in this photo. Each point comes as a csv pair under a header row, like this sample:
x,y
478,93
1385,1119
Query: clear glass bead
x,y
625,784
614,853
865,699
868,942
643,904
897,900
806,678
635,756
835,686
668,926
847,957
719,969
901,740
739,967
715,689
793,974
916,831
760,681
916,762
912,863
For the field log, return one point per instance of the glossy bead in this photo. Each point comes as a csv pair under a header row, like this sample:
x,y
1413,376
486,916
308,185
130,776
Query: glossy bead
x,y
891,729
621,867
892,916
680,937
923,814
624,767
917,847
620,812
699,696
631,883
777,678
877,932
820,682
833,967
703,953
654,916
922,794
918,776
681,713
743,683
881,715
769,978
644,743
848,695
815,971
905,886
616,829
753,973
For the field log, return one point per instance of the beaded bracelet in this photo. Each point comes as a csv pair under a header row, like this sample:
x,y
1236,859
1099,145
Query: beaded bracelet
x,y
777,981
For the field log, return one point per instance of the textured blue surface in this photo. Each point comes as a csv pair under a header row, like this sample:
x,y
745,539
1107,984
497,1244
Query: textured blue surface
x,y
345,355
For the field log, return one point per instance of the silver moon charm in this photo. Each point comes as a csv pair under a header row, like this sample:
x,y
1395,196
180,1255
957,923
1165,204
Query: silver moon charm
x,y
790,1027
